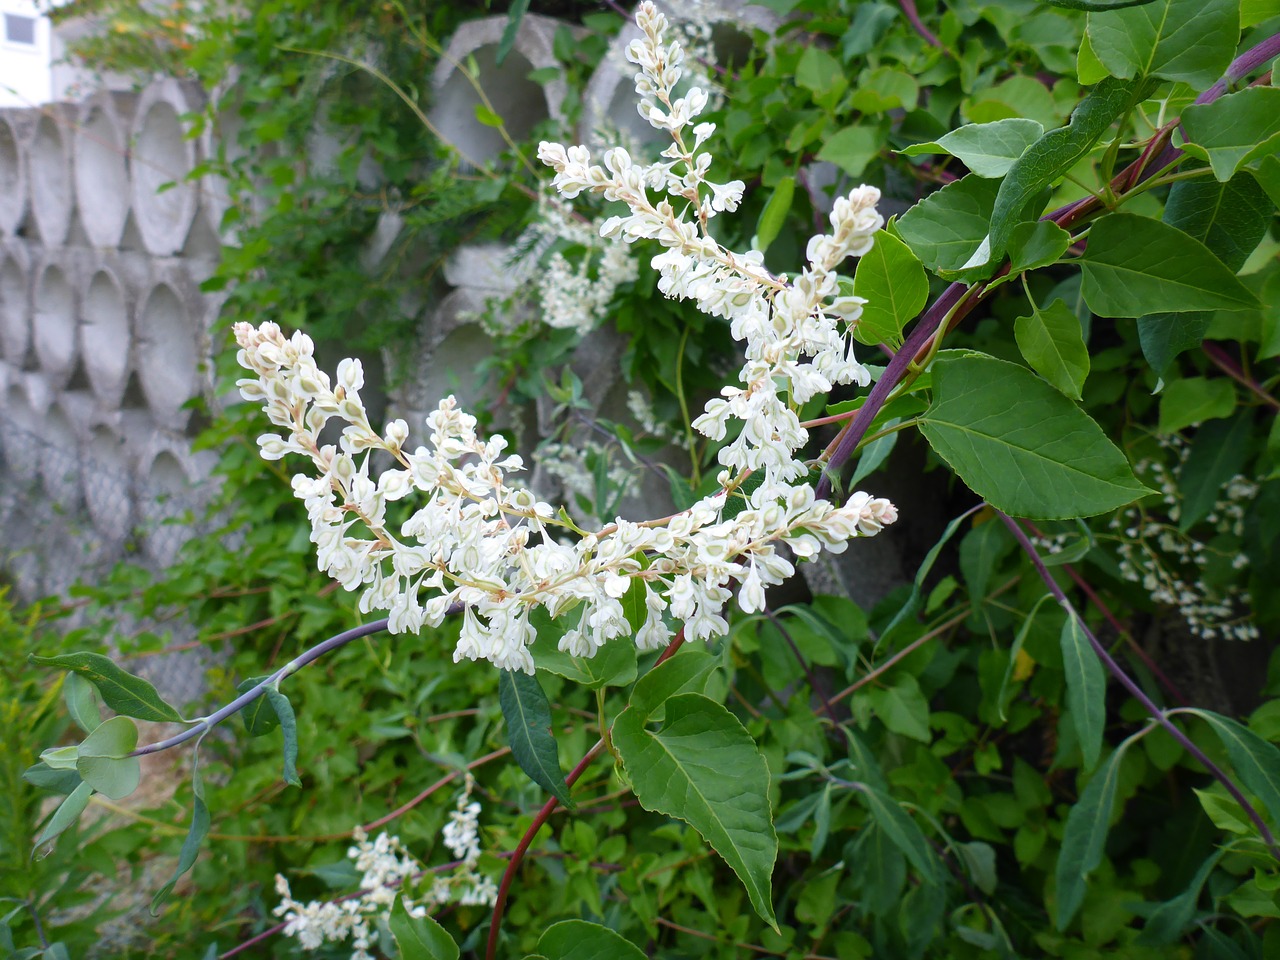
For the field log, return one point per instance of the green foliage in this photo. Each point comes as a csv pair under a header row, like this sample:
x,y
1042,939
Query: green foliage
x,y
948,773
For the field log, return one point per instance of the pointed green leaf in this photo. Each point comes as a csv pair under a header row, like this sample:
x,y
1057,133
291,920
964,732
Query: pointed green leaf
x,y
686,672
1172,917
527,712
1086,689
259,716
1256,761
1163,336
852,148
198,830
1043,163
44,777
419,938
1036,244
908,609
1085,836
902,707
1052,341
774,215
987,149
1135,265
515,16
614,664
1002,698
1217,454
948,226
289,728
82,702
1233,130
1194,400
895,286
902,830
67,813
122,692
989,421
703,767
1188,40
580,940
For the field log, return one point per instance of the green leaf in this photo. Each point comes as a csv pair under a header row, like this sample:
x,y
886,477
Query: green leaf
x,y
44,777
895,286
528,715
614,664
902,707
1089,69
873,455
1052,341
1035,244
1217,454
122,692
1253,12
987,149
419,938
1086,689
196,833
1256,761
980,859
1043,163
60,758
580,940
981,551
908,609
948,226
1085,836
1188,40
103,759
67,813
821,74
989,422
852,148
515,15
1163,336
686,672
486,116
901,830
289,728
774,214
1135,265
1172,917
702,767
1194,400
1096,4
1002,698
259,716
1234,129
81,702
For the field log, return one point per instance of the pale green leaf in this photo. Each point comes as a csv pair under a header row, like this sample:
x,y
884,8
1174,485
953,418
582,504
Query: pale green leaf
x,y
987,149
1021,445
894,283
702,767
289,728
1035,244
196,833
81,702
774,214
67,813
852,148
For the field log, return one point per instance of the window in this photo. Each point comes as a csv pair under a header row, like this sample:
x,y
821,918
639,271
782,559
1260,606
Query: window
x,y
20,29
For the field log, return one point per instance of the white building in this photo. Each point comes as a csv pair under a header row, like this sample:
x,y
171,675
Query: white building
x,y
26,55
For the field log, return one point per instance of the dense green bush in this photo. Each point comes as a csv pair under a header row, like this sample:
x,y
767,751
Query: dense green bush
x,y
1087,219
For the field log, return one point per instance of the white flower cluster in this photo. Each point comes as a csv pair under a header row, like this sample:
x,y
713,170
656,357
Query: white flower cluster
x,y
388,871
494,549
1171,565
386,868
571,297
